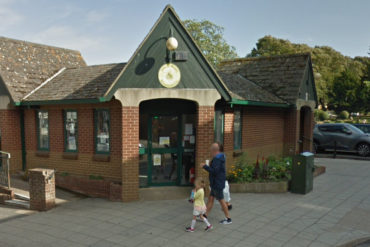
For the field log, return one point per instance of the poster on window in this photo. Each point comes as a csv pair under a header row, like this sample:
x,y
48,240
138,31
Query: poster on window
x,y
164,140
188,129
156,160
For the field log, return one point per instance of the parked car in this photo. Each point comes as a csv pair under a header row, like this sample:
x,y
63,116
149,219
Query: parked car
x,y
342,136
364,127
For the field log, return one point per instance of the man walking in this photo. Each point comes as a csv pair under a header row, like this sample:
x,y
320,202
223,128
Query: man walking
x,y
217,178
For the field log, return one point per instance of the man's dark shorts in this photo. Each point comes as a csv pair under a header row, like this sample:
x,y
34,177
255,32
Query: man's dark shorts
x,y
218,194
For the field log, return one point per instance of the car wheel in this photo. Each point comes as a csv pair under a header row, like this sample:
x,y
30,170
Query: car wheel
x,y
363,149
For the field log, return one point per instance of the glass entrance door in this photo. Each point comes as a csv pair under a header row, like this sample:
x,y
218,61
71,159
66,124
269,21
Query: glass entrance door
x,y
164,150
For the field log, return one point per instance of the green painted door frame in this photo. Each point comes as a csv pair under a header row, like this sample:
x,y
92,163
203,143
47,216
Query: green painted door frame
x,y
175,150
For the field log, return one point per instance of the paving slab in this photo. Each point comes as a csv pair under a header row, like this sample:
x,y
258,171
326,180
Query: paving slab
x,y
336,212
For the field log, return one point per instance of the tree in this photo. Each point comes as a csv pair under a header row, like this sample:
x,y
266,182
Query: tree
x,y
349,92
209,38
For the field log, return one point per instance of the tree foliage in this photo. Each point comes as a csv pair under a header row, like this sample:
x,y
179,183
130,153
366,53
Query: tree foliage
x,y
330,67
210,39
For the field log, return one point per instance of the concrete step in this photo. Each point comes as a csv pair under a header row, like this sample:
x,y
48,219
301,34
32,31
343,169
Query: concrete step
x,y
18,203
21,197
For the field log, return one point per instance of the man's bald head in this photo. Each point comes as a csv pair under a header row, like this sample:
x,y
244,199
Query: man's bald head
x,y
216,148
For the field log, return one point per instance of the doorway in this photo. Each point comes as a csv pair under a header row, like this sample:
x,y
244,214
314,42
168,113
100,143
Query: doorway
x,y
167,142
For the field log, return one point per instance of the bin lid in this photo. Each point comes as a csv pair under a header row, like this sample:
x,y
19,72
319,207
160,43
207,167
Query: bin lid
x,y
306,154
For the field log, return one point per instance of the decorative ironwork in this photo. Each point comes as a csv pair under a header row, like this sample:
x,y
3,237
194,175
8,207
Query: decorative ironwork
x,y
4,169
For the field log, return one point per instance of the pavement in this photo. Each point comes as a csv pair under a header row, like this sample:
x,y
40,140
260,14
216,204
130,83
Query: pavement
x,y
335,213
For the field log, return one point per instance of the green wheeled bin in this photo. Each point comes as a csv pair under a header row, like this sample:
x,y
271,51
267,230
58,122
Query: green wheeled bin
x,y
302,173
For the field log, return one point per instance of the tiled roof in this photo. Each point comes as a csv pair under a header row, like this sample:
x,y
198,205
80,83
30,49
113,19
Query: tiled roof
x,y
25,65
280,75
90,82
244,89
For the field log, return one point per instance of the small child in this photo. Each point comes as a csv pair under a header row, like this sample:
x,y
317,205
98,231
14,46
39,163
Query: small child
x,y
199,205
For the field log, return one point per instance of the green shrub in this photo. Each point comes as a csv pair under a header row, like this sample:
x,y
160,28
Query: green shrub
x,y
323,115
343,115
271,169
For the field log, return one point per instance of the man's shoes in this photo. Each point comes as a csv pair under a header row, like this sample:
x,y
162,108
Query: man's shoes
x,y
210,227
189,229
226,221
229,207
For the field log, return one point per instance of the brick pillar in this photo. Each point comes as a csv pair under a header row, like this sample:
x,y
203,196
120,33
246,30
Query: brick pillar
x,y
42,189
229,136
130,153
291,132
204,138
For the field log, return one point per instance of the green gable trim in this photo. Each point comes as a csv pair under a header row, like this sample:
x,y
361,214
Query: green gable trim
x,y
62,102
141,70
258,103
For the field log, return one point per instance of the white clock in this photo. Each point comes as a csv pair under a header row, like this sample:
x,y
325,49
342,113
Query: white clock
x,y
169,75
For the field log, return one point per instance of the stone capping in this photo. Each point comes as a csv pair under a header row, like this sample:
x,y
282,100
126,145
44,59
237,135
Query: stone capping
x,y
260,187
134,96
45,154
70,156
101,157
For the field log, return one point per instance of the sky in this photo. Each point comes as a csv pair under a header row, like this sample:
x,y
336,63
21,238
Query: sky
x,y
109,31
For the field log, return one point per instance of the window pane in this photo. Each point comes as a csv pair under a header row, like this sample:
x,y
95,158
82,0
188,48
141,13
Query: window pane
x,y
43,129
219,126
71,131
102,131
237,130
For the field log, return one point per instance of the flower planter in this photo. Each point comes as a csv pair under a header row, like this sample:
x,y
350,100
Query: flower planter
x,y
319,170
260,187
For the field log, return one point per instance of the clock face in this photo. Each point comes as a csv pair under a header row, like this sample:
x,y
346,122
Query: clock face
x,y
169,75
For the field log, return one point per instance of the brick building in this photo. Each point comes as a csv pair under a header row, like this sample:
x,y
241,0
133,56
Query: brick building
x,y
112,129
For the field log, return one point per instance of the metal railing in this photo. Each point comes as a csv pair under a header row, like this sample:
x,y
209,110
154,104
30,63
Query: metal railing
x,y
4,169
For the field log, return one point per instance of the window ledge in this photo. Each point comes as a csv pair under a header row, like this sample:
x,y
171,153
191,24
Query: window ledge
x,y
237,153
40,153
70,156
101,157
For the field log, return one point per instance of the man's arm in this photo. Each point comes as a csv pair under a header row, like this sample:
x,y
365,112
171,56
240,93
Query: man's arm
x,y
214,168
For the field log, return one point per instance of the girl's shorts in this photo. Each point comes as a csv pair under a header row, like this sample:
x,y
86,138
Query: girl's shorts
x,y
198,212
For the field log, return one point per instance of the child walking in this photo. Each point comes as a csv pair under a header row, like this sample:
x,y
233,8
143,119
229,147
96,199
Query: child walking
x,y
199,205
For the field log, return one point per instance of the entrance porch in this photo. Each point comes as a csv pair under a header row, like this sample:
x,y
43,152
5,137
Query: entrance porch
x,y
165,132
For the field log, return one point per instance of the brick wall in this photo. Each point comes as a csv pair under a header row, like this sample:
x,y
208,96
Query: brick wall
x,y
11,137
228,130
291,131
85,164
204,137
262,133
130,150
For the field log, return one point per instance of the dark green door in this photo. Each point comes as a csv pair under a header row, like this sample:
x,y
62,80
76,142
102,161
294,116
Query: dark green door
x,y
164,150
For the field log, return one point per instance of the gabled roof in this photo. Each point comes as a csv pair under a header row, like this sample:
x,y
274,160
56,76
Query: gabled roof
x,y
280,75
244,89
25,65
142,68
89,82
